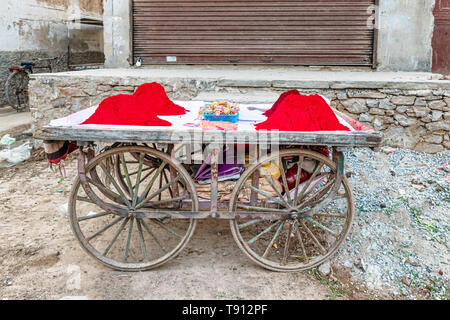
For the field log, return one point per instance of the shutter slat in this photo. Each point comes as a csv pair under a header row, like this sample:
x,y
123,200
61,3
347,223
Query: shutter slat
x,y
321,32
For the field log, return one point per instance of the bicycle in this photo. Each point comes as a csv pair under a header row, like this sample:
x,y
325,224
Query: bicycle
x,y
16,87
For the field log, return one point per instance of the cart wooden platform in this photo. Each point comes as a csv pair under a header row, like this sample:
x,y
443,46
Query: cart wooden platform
x,y
134,206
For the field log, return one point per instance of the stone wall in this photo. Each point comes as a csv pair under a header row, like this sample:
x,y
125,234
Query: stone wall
x,y
414,119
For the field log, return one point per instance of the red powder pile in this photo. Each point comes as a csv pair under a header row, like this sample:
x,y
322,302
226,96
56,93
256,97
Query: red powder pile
x,y
139,109
269,112
302,113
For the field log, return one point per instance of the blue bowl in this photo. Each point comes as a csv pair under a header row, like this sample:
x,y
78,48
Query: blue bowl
x,y
223,117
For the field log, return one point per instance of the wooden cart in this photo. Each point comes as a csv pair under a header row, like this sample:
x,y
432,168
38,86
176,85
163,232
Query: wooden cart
x,y
134,207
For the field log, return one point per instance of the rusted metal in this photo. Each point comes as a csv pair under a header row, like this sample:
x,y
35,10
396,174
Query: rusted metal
x,y
326,32
441,37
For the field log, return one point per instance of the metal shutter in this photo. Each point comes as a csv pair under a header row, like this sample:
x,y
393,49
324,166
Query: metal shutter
x,y
321,32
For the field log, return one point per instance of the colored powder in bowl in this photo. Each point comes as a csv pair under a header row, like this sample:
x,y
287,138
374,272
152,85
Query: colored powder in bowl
x,y
302,113
139,109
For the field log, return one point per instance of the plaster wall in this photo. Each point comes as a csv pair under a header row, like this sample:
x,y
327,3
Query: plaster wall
x,y
33,29
405,33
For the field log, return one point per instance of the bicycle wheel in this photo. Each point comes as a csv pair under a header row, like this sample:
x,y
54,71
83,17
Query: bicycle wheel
x,y
16,90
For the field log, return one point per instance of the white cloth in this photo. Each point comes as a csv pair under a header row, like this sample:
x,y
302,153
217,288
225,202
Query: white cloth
x,y
249,115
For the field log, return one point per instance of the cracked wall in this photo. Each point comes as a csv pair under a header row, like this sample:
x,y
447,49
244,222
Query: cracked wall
x,y
33,29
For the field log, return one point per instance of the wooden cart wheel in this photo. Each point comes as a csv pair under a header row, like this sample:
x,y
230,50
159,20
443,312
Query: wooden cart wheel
x,y
301,241
109,219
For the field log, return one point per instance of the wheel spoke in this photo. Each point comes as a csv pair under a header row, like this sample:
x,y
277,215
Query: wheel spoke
x,y
168,229
84,199
127,176
101,187
146,227
297,178
260,209
312,199
263,232
167,181
152,181
313,237
138,180
160,184
310,180
154,194
104,228
274,238
154,203
122,226
299,235
130,230
265,194
93,216
116,186
283,178
287,245
249,223
270,182
327,215
142,170
321,226
141,236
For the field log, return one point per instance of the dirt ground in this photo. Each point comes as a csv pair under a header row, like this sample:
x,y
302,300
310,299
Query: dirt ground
x,y
41,259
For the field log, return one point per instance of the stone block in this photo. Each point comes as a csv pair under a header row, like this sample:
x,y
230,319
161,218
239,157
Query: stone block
x,y
418,93
447,116
436,115
429,147
372,103
341,95
404,121
420,103
355,105
437,105
124,88
387,105
440,125
404,100
72,92
378,124
104,88
366,94
376,111
364,117
433,139
419,112
402,109
433,98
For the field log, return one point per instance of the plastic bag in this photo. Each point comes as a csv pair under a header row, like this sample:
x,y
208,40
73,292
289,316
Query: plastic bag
x,y
10,157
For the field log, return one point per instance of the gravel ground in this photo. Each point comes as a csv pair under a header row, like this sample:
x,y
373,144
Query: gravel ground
x,y
397,248
398,245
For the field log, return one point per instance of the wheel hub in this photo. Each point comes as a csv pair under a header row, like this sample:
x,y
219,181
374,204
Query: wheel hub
x,y
294,215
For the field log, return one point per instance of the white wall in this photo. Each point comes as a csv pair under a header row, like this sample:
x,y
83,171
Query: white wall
x,y
405,33
27,25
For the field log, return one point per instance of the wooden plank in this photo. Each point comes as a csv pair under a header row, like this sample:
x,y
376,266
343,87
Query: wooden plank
x,y
165,135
